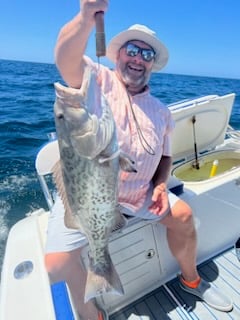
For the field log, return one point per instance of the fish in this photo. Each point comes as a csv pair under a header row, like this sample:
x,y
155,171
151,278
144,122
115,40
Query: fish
x,y
87,174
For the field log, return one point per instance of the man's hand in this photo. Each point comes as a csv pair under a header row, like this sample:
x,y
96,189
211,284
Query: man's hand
x,y
160,200
90,7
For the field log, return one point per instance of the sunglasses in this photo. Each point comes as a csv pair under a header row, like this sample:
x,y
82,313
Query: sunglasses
x,y
132,50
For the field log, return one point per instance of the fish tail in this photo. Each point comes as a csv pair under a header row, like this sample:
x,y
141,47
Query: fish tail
x,y
99,282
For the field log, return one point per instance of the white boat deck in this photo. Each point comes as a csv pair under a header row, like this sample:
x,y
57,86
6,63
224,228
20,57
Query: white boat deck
x,y
170,302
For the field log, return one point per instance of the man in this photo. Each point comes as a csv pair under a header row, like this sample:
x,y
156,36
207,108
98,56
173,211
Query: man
x,y
143,126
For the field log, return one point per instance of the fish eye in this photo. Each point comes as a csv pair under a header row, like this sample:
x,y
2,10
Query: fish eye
x,y
60,116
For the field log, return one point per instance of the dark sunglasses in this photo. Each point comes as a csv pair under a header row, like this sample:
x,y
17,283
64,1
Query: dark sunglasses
x,y
132,50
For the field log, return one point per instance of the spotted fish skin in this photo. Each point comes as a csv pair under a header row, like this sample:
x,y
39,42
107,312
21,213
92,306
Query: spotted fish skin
x,y
87,175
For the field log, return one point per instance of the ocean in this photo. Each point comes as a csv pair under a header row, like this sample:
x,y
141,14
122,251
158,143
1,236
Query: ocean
x,y
26,118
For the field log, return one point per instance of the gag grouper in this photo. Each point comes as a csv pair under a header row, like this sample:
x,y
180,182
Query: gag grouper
x,y
87,175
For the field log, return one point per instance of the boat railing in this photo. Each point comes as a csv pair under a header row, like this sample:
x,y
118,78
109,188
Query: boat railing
x,y
233,133
189,102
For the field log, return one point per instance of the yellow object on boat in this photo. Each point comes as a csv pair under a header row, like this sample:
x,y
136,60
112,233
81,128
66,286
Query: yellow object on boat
x,y
214,169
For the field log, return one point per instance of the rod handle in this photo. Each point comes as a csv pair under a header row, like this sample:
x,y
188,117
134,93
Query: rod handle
x,y
100,34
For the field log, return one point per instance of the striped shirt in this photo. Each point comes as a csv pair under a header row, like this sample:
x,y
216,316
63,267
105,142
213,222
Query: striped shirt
x,y
156,124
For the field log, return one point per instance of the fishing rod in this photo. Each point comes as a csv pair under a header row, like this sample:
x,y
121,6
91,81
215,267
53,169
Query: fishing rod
x,y
196,164
237,249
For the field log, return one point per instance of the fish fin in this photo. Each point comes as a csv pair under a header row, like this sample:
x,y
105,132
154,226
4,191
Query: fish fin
x,y
126,163
69,219
102,280
120,221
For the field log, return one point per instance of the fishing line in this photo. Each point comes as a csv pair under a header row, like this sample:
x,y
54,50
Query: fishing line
x,y
142,139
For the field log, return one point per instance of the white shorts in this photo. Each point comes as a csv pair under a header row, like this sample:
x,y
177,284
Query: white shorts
x,y
62,239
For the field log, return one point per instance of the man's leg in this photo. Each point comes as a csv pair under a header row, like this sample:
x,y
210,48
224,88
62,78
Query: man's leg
x,y
181,235
67,266
182,240
62,260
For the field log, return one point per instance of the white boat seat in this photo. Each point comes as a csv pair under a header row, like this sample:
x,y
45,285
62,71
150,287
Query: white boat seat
x,y
47,157
45,161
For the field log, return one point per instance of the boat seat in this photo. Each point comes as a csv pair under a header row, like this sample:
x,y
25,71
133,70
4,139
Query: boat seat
x,y
175,185
45,161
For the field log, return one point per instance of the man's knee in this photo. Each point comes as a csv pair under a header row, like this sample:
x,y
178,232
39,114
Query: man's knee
x,y
183,212
55,262
180,214
60,262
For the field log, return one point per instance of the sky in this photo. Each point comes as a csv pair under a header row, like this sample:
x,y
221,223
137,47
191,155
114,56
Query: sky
x,y
202,36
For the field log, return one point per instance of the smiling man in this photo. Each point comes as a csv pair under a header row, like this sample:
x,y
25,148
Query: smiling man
x,y
144,127
134,64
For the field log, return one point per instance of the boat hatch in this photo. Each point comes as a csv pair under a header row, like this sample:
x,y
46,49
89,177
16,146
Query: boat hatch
x,y
200,126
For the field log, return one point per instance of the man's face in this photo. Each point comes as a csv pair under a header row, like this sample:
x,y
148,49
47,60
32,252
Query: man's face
x,y
134,71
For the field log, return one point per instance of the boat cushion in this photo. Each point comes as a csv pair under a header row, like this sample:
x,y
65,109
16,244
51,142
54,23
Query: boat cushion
x,y
61,301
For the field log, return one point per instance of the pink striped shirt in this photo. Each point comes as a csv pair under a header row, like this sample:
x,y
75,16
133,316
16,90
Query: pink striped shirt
x,y
156,125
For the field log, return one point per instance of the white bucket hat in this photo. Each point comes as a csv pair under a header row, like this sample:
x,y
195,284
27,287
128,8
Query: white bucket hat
x,y
141,33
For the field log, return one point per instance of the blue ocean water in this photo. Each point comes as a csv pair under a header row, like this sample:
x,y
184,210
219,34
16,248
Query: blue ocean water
x,y
26,117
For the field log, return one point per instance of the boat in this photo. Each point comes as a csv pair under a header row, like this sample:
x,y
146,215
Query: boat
x,y
205,173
